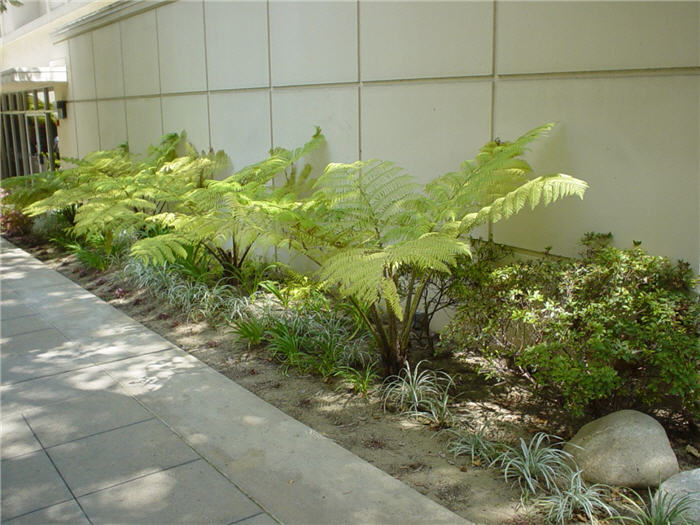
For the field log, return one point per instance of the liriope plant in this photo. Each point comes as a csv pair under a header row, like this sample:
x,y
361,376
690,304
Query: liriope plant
x,y
230,217
378,236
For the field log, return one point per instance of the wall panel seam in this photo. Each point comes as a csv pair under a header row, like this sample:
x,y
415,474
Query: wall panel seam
x,y
160,85
206,68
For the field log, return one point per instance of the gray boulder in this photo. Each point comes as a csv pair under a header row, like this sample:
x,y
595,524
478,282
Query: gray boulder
x,y
625,448
685,484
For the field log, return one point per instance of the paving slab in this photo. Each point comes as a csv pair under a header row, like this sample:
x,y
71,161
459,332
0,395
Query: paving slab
x,y
31,276
11,307
22,325
148,371
45,340
39,354
16,438
63,513
38,394
133,451
30,482
77,418
191,493
132,342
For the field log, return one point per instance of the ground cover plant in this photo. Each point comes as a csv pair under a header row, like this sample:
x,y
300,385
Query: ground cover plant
x,y
657,509
574,499
419,393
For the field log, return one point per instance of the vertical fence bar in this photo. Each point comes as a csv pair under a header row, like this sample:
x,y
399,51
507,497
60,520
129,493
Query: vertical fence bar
x,y
8,170
37,133
15,132
24,134
51,131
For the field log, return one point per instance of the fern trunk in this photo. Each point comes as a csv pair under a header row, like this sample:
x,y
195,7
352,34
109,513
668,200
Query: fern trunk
x,y
391,334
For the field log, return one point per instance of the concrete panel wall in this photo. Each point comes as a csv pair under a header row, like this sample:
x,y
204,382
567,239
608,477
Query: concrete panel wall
x,y
425,84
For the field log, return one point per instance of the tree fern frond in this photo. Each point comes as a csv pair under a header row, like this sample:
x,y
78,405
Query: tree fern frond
x,y
356,272
431,251
370,197
160,249
545,189
391,295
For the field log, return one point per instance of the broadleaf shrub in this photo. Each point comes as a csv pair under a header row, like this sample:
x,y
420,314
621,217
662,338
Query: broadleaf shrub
x,y
614,329
13,222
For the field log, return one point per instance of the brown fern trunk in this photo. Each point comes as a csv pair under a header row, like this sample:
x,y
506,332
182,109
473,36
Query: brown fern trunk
x,y
394,353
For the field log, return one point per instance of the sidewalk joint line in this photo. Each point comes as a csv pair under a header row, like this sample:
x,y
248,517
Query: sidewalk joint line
x,y
43,448
246,518
51,375
140,477
94,364
18,317
25,333
203,457
100,432
29,332
35,510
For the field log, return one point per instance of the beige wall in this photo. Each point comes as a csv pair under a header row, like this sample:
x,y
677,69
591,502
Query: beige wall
x,y
424,84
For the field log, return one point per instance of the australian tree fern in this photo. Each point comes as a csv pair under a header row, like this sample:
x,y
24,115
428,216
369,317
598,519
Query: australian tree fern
x,y
378,236
231,216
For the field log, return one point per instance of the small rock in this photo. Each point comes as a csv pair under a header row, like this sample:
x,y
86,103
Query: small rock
x,y
625,448
690,449
685,484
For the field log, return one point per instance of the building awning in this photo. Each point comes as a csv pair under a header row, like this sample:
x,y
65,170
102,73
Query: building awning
x,y
30,78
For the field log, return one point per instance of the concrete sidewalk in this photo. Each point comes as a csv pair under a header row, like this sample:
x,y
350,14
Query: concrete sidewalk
x,y
104,421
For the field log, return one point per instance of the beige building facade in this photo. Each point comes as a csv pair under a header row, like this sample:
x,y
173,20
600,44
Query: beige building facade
x,y
422,83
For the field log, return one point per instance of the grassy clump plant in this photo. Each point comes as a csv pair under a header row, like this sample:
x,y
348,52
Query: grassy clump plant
x,y
535,465
419,393
574,499
361,379
662,508
474,444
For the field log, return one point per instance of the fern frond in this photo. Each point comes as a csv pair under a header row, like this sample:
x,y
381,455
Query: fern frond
x,y
542,190
366,273
370,199
161,249
431,251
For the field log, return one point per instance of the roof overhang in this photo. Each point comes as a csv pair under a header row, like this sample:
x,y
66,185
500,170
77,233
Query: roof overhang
x,y
109,14
30,78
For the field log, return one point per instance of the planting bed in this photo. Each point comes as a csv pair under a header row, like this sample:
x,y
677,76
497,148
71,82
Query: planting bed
x,y
407,449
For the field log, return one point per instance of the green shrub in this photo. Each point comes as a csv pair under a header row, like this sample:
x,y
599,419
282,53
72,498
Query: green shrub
x,y
616,329
12,221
